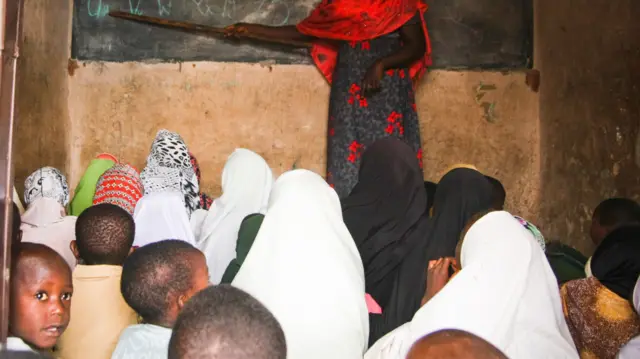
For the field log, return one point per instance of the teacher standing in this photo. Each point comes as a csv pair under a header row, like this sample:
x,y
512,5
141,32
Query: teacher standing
x,y
371,52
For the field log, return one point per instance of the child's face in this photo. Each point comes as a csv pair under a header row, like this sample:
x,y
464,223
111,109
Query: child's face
x,y
40,303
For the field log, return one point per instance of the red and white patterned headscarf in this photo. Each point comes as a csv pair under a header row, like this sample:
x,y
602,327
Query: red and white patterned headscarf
x,y
119,185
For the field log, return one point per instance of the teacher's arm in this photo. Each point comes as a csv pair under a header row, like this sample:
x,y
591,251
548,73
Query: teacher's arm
x,y
287,33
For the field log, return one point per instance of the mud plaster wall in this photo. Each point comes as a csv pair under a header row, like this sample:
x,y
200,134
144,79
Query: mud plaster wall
x,y
588,53
279,112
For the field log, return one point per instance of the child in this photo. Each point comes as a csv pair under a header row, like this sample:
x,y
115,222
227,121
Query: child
x,y
454,344
104,234
225,322
41,290
170,267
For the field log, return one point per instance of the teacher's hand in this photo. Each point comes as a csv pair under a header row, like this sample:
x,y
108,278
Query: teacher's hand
x,y
372,78
238,30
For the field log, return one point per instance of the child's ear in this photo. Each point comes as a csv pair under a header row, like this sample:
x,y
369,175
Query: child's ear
x,y
74,250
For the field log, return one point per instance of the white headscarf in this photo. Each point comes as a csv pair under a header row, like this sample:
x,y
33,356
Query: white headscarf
x,y
632,349
246,184
305,268
160,216
506,293
46,182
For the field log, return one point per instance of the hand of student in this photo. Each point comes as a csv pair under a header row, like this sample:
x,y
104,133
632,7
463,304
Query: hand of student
x,y
372,78
437,276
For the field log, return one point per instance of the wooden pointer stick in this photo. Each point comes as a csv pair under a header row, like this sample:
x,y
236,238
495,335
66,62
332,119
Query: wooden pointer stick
x,y
198,29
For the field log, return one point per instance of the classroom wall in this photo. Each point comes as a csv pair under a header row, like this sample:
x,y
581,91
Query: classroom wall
x,y
278,111
588,53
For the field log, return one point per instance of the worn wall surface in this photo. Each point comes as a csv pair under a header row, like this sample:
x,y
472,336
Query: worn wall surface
x,y
588,53
42,129
281,113
69,112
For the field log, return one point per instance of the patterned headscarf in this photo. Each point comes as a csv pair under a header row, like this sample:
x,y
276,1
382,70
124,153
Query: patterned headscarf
x,y
46,182
169,169
119,185
534,230
205,200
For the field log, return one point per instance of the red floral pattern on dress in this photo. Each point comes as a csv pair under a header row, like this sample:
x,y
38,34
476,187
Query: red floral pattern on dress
x,y
394,123
355,151
356,97
419,157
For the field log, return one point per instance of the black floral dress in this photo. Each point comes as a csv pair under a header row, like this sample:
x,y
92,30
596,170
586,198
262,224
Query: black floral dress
x,y
356,121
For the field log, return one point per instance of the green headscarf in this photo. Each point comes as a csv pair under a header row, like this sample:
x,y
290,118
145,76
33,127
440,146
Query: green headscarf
x,y
246,235
86,188
566,262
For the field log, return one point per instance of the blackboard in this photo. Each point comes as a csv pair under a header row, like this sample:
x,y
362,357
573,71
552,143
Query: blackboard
x,y
465,34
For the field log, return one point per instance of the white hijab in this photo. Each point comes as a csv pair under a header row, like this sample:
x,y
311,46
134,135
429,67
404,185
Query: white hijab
x,y
506,293
44,222
159,216
246,184
305,268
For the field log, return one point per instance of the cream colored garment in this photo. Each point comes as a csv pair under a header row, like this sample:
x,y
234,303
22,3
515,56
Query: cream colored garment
x,y
305,268
44,222
98,314
506,293
246,184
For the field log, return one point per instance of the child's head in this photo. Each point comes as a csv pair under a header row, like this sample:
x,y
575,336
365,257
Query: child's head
x,y
104,235
499,194
171,267
610,214
225,322
453,344
41,289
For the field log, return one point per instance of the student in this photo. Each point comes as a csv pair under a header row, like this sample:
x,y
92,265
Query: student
x,y
504,293
225,322
499,195
246,184
600,306
104,234
120,185
610,214
453,344
41,290
305,268
157,280
86,188
631,350
46,194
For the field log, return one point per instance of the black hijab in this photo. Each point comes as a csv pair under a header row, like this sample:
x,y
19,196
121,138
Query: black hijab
x,y
616,261
387,216
461,193
384,209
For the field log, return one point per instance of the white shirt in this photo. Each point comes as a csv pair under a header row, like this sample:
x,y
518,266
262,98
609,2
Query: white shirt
x,y
143,341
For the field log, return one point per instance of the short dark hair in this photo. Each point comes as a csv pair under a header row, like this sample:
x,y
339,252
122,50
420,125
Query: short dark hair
x,y
104,234
226,322
616,211
454,344
154,274
498,193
